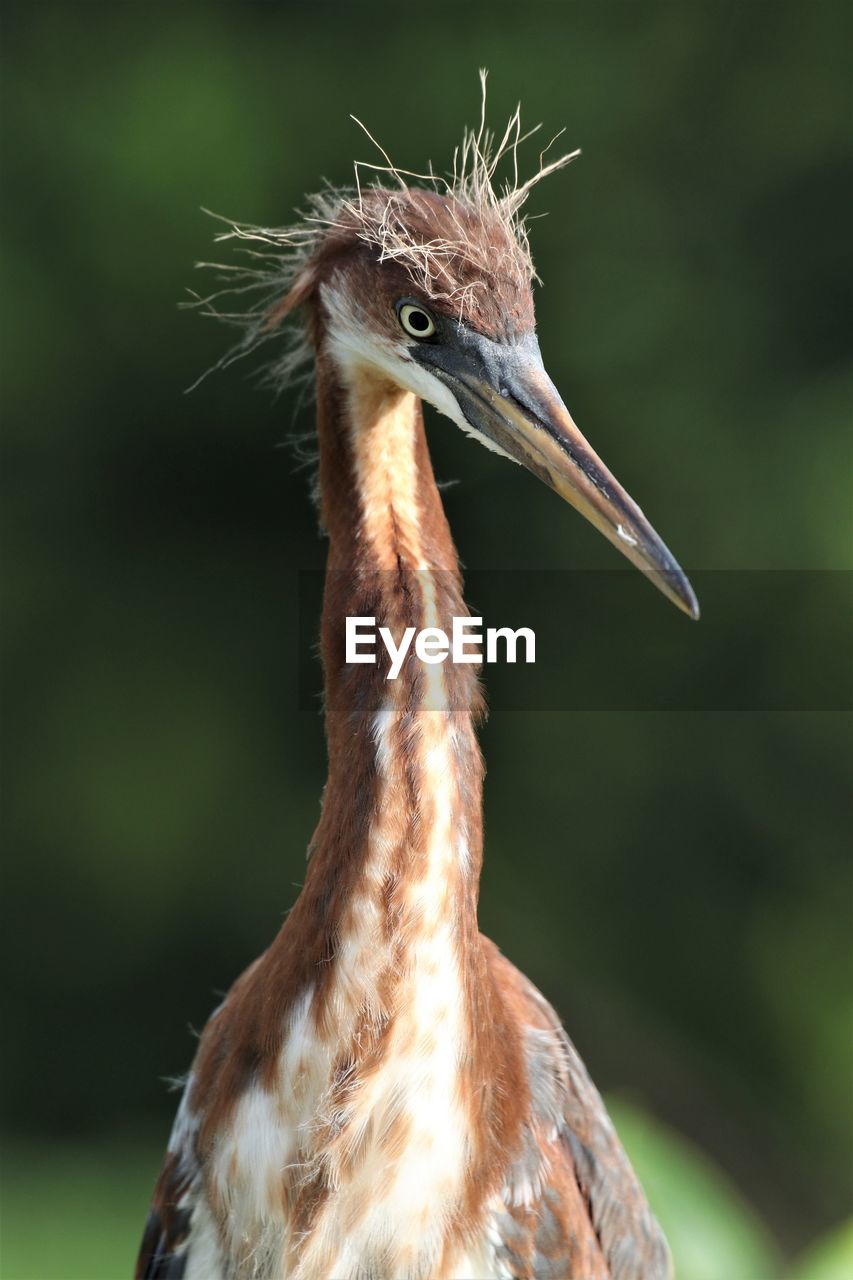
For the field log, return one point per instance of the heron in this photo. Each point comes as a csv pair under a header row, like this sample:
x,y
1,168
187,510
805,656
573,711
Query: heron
x,y
382,1095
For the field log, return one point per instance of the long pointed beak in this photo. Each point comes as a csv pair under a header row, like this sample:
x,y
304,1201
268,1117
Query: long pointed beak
x,y
507,397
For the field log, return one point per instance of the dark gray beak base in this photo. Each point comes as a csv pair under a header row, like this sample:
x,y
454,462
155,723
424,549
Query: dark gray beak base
x,y
506,397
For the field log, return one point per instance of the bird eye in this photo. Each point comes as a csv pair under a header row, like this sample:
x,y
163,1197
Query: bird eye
x,y
417,322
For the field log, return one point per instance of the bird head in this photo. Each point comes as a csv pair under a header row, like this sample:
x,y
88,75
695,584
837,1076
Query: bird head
x,y
431,287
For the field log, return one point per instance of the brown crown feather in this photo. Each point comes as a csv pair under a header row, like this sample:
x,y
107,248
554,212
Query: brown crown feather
x,y
461,241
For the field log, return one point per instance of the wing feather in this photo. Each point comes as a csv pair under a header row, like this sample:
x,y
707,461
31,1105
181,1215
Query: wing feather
x,y
163,1252
572,1205
167,1241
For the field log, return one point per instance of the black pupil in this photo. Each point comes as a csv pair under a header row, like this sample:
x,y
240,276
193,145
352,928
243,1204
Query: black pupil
x,y
419,320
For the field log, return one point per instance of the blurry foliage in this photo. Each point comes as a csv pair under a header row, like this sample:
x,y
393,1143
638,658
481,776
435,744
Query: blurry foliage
x,y
711,1231
829,1259
677,882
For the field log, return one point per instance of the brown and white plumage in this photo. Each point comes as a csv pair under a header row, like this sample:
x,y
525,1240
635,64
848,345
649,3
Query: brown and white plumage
x,y
381,1094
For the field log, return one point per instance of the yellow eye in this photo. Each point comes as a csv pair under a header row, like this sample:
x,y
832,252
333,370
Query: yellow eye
x,y
417,322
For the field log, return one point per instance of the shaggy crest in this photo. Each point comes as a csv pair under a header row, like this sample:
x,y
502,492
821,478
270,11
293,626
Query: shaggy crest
x,y
378,213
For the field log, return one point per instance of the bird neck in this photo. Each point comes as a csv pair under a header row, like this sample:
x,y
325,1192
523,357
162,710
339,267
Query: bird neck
x,y
402,806
377,994
391,556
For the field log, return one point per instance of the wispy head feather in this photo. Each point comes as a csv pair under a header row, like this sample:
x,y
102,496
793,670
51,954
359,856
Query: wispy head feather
x,y
258,292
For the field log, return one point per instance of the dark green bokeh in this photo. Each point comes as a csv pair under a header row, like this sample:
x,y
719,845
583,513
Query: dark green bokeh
x,y
677,881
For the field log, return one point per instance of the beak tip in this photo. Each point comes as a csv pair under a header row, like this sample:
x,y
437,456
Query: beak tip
x,y
690,604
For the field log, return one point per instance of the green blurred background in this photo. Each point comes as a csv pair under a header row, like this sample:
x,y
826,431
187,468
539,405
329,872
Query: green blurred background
x,y
676,879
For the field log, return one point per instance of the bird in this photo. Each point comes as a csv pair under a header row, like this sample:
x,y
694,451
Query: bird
x,y
382,1095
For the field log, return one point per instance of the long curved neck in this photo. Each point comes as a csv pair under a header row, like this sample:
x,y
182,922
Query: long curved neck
x,y
377,994
405,772
391,556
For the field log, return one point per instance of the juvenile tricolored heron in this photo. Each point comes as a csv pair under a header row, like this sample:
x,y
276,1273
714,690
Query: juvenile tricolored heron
x,y
381,1094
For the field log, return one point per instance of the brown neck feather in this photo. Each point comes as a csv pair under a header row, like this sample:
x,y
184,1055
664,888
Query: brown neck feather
x,y
392,881
391,557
